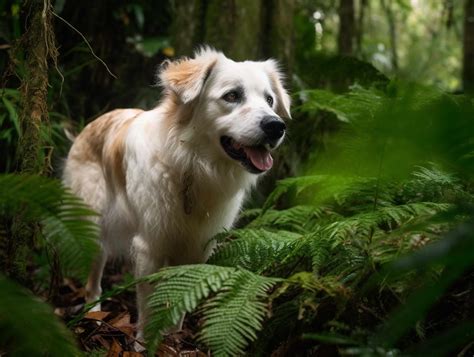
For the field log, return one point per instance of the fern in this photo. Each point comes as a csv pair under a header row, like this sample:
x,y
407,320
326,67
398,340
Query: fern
x,y
432,183
28,326
328,234
65,219
231,317
356,104
299,219
256,249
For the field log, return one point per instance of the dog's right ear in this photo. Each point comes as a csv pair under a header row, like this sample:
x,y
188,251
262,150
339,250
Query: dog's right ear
x,y
186,77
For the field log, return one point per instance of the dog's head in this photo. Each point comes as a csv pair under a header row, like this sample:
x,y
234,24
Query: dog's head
x,y
238,108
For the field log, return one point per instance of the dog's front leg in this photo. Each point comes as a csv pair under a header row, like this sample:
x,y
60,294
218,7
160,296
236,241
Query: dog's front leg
x,y
146,263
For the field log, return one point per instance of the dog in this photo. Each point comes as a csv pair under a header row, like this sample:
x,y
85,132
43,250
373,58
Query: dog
x,y
165,181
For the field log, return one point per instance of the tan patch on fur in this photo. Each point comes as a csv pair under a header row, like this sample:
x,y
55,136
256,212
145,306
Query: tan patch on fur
x,y
175,112
186,78
283,100
113,156
103,142
184,73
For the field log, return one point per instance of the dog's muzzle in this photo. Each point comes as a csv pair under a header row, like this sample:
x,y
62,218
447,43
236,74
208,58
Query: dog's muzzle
x,y
256,157
273,128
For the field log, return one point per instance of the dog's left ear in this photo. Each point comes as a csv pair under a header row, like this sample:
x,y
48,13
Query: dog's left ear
x,y
283,101
186,77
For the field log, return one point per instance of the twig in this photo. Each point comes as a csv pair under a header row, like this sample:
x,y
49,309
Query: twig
x,y
87,43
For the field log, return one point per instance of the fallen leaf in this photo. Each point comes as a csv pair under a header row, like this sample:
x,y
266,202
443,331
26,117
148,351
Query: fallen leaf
x,y
97,315
115,350
131,354
121,320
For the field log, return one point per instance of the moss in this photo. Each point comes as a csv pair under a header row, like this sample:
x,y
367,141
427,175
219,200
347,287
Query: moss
x,y
39,46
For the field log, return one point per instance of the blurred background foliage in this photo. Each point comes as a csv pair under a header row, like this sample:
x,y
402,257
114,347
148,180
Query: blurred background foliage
x,y
359,242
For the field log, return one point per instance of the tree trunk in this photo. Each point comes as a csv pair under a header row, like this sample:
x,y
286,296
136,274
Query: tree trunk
x,y
346,27
360,25
188,26
244,29
277,34
234,27
38,45
387,7
468,55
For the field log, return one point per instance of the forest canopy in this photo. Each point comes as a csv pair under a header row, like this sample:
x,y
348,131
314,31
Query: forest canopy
x,y
359,241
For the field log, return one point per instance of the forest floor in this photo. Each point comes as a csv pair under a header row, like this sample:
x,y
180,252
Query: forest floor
x,y
111,332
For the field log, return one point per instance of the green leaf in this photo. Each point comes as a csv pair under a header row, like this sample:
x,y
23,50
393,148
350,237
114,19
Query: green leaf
x,y
231,317
28,326
67,222
13,114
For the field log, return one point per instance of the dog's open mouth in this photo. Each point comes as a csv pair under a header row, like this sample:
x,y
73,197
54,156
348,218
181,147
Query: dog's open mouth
x,y
256,159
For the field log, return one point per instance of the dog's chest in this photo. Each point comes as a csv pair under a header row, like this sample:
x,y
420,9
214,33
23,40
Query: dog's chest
x,y
184,208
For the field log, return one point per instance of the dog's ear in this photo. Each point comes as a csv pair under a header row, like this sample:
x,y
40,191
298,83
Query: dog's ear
x,y
186,77
283,99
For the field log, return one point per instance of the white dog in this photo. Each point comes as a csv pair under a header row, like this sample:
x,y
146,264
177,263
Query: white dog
x,y
167,180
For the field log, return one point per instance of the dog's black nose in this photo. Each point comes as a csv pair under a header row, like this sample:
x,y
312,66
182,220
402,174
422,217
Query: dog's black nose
x,y
273,127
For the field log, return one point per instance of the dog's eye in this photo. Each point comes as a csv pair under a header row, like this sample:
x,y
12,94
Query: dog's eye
x,y
270,100
232,97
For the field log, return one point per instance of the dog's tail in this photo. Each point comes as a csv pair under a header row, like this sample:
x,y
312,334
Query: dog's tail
x,y
69,130
69,134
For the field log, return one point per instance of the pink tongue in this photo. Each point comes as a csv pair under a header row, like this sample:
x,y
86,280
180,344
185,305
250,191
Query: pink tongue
x,y
261,159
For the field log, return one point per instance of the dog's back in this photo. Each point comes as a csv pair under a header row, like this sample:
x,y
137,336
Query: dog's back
x,y
96,153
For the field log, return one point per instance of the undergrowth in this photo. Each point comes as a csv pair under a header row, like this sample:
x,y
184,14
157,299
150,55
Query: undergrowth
x,y
358,259
370,252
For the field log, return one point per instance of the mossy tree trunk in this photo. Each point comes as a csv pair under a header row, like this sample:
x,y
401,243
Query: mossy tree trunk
x,y
38,46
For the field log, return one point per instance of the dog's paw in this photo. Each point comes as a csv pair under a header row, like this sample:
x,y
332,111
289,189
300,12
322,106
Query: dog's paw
x,y
96,307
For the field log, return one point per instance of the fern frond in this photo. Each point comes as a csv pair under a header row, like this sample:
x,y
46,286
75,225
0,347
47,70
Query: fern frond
x,y
28,326
300,218
346,239
181,289
434,184
256,249
364,194
358,103
233,317
363,224
66,220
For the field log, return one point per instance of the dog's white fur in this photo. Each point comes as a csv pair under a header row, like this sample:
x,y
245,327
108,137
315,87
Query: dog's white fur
x,y
160,178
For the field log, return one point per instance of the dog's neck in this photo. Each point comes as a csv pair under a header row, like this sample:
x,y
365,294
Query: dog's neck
x,y
202,178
